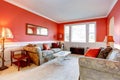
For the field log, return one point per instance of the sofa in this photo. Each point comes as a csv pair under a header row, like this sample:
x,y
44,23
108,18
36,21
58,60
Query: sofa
x,y
100,69
39,55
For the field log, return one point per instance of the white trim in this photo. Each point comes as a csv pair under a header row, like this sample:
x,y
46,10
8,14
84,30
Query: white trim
x,y
39,14
74,20
72,24
25,8
18,44
110,9
9,46
63,21
95,33
67,45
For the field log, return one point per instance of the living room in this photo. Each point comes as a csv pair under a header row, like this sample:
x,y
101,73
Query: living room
x,y
25,20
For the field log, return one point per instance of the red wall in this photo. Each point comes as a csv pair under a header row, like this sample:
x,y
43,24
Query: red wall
x,y
101,27
116,14
16,18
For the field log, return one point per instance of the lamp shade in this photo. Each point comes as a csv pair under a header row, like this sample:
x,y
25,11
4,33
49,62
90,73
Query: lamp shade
x,y
108,39
6,33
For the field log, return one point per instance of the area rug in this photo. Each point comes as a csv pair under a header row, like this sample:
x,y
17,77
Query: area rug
x,y
67,70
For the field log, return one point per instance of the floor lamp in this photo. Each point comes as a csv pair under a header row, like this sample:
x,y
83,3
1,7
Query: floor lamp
x,y
5,33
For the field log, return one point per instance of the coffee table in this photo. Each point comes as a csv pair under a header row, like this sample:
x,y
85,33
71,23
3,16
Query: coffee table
x,y
60,56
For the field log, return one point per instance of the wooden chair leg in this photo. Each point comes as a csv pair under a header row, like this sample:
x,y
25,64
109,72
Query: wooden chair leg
x,y
18,65
11,58
29,61
11,62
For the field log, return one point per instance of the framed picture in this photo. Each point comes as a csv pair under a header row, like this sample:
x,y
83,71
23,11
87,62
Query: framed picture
x,y
36,30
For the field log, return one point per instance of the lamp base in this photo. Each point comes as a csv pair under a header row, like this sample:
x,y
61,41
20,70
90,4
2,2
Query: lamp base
x,y
3,68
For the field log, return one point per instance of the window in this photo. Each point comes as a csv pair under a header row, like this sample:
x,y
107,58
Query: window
x,y
80,32
76,32
66,31
91,33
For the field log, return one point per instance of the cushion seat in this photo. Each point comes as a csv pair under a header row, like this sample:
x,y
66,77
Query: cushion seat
x,y
47,52
56,50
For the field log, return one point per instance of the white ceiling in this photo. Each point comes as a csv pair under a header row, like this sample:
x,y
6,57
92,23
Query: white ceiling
x,y
67,10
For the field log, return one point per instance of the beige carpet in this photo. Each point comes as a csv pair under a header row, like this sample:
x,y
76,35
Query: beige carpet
x,y
67,70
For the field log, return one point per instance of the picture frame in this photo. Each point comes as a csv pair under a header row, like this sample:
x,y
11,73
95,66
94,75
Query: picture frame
x,y
36,30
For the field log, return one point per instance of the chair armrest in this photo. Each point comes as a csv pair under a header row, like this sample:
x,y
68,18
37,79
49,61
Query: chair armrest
x,y
18,50
35,54
31,49
98,64
21,51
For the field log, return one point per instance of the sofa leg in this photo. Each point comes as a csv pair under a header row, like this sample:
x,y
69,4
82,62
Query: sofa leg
x,y
79,78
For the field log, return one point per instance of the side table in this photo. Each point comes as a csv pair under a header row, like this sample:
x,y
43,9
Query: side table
x,y
20,58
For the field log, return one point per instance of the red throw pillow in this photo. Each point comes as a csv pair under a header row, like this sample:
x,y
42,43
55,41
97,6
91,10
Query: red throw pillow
x,y
46,47
55,45
92,53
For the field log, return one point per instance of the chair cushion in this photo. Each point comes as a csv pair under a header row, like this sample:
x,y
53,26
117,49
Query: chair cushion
x,y
92,53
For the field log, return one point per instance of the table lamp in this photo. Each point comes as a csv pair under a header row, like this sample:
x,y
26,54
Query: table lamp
x,y
108,39
4,34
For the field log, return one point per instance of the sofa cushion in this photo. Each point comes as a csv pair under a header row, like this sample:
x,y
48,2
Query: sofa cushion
x,y
55,45
47,52
118,57
92,53
114,55
56,50
46,47
40,46
104,53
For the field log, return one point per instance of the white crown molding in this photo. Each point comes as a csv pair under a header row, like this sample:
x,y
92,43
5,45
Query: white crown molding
x,y
110,9
20,6
74,20
64,21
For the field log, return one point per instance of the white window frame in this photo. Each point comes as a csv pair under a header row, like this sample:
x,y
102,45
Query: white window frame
x,y
94,31
87,31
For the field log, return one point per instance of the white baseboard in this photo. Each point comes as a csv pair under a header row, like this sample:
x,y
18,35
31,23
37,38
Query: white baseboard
x,y
16,44
90,45
9,46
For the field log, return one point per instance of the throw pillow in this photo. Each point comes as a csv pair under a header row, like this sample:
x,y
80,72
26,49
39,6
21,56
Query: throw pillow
x,y
104,53
55,45
46,47
92,53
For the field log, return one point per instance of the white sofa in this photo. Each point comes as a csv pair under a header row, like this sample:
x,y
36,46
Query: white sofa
x,y
100,69
38,55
